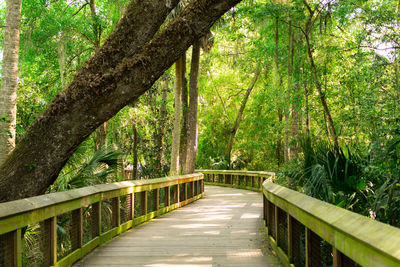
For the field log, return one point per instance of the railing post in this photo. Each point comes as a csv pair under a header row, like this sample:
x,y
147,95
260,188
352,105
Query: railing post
x,y
76,229
96,219
143,203
156,199
246,180
176,194
252,181
231,177
276,224
185,191
313,249
167,194
192,189
130,206
341,260
224,178
50,242
265,210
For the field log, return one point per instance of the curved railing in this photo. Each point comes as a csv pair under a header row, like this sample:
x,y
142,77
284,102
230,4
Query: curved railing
x,y
95,215
305,231
250,180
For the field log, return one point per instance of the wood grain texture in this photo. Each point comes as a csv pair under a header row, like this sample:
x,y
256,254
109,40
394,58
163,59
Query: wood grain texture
x,y
224,228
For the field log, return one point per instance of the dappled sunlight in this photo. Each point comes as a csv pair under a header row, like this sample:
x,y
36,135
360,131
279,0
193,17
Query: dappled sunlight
x,y
247,253
196,225
219,230
250,216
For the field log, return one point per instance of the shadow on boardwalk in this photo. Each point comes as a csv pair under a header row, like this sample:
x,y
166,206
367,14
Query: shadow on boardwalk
x,y
222,229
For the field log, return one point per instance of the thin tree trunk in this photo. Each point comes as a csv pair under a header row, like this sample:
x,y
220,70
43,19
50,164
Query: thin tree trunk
x,y
174,169
295,105
288,94
161,128
240,115
277,84
9,84
307,108
321,94
127,65
192,112
185,108
135,151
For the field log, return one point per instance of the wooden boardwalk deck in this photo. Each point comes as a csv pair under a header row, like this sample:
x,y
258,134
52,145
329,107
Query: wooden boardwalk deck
x,y
222,229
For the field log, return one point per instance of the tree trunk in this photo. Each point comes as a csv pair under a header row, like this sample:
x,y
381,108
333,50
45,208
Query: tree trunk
x,y
277,84
185,108
294,127
135,152
239,116
174,169
192,112
9,84
161,128
288,94
123,69
321,94
307,108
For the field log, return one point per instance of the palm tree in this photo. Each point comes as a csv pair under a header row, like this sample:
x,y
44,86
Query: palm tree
x,y
8,89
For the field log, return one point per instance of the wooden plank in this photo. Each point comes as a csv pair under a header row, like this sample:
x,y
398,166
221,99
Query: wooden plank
x,y
185,238
185,191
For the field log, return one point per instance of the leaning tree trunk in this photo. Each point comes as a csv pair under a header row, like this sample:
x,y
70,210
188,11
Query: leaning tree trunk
x,y
123,69
239,116
174,169
322,94
192,112
8,90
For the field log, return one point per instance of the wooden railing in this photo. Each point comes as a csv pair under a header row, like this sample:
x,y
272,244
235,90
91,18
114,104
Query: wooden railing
x,y
88,209
250,180
305,231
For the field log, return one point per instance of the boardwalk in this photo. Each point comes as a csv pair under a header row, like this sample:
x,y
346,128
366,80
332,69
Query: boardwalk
x,y
222,229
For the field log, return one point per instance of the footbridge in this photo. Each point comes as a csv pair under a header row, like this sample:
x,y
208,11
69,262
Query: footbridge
x,y
210,218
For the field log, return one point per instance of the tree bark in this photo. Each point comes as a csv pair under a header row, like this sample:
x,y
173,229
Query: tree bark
x,y
174,169
239,116
161,127
192,112
9,84
123,69
135,151
185,108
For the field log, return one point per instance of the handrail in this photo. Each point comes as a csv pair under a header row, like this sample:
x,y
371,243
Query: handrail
x,y
298,226
354,238
251,180
16,215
